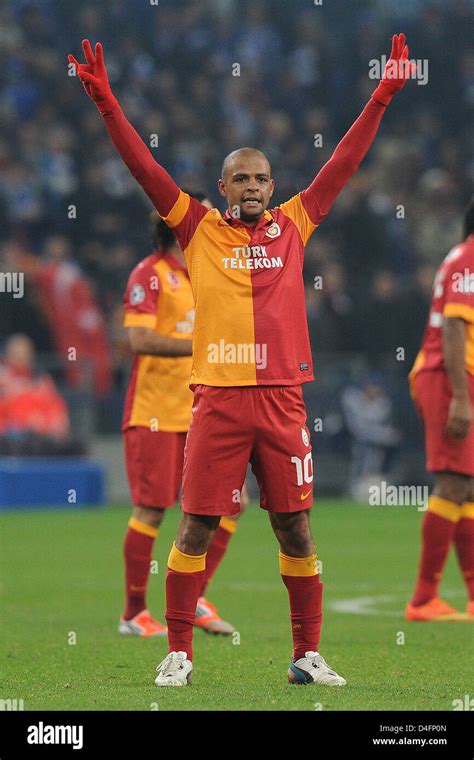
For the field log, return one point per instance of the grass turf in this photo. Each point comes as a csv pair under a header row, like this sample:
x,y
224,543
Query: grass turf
x,y
62,582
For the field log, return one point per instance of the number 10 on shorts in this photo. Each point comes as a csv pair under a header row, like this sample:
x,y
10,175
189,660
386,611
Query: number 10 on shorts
x,y
304,469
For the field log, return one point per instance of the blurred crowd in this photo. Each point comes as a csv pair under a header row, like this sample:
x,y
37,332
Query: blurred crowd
x,y
34,418
68,207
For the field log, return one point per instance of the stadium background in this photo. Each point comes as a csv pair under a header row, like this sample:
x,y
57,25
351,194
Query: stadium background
x,y
304,72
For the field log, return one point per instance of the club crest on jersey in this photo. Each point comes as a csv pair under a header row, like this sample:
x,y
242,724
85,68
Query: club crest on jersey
x,y
173,279
274,230
137,294
305,437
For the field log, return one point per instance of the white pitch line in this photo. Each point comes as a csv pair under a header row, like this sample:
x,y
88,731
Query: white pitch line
x,y
365,605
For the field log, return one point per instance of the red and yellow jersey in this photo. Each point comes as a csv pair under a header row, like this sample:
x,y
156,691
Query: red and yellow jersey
x,y
159,296
453,296
251,326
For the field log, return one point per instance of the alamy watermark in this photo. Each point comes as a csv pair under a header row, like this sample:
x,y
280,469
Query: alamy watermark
x,y
399,69
48,734
386,495
11,705
466,703
12,282
237,353
463,282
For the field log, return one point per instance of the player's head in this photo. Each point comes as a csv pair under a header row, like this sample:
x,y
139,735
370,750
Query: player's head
x,y
246,181
20,351
469,219
162,236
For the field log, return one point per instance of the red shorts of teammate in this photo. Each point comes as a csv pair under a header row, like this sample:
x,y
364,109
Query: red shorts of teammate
x,y
154,463
231,427
432,394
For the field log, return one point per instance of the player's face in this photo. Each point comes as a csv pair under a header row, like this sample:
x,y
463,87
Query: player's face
x,y
248,187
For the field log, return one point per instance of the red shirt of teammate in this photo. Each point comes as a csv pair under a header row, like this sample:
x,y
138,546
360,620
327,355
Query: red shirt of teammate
x,y
442,381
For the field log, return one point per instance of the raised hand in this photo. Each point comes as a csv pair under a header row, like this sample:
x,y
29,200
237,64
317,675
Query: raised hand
x,y
397,71
93,76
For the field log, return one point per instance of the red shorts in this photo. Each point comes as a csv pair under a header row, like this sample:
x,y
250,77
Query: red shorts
x,y
231,427
432,394
154,463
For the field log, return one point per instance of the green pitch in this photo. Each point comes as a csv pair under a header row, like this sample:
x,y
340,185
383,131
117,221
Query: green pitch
x,y
61,596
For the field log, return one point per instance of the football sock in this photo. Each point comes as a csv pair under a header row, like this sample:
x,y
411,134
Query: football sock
x,y
305,590
464,542
184,578
217,549
439,526
137,549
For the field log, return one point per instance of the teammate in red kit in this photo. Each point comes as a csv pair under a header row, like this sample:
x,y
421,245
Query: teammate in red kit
x,y
442,381
159,317
251,354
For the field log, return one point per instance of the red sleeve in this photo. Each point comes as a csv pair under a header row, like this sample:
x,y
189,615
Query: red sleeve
x,y
178,209
156,182
141,297
344,162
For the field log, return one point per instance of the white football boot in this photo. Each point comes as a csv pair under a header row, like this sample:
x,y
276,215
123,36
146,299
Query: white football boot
x,y
313,668
175,670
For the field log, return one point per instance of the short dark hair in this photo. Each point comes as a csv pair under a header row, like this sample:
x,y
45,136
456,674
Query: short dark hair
x,y
162,236
469,219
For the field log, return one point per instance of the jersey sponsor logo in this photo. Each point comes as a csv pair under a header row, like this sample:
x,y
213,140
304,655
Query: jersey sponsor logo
x,y
173,279
187,325
273,231
137,294
305,495
251,257
305,437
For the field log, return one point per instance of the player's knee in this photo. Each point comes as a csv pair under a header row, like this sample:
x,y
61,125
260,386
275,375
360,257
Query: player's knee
x,y
152,516
195,533
293,533
453,487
